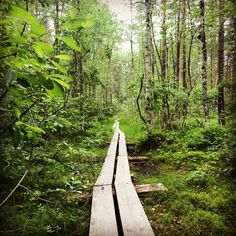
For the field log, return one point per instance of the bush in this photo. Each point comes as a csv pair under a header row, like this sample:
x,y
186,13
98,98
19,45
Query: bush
x,y
211,136
201,222
198,178
155,141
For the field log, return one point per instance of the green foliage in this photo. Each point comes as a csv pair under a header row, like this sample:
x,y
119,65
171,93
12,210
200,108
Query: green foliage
x,y
70,42
210,136
197,178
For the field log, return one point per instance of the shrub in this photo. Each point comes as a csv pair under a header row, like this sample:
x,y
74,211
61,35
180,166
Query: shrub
x,y
211,136
198,178
201,222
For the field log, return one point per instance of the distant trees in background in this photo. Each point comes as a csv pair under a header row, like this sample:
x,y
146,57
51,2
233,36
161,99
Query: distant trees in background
x,y
192,57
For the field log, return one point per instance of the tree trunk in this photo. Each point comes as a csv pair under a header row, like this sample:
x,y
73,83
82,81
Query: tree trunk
x,y
165,105
184,68
204,61
233,104
178,44
221,109
148,63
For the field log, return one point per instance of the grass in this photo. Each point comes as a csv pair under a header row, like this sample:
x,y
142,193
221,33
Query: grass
x,y
134,129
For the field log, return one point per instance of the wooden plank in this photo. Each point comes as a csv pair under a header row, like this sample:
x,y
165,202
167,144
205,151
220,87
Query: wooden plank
x,y
133,218
106,174
146,188
137,158
122,145
122,170
103,218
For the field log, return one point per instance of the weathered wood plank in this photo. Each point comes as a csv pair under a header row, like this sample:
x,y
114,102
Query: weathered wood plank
x,y
133,218
146,188
103,218
122,170
137,158
106,174
122,145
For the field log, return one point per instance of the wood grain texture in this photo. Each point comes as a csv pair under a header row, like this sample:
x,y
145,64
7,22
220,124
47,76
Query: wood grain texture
x,y
137,158
103,218
133,218
122,170
122,145
146,188
106,174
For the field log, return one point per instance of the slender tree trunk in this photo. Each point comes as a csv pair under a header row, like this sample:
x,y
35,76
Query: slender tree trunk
x,y
212,65
233,105
81,77
148,63
178,44
184,68
204,61
221,109
165,104
131,40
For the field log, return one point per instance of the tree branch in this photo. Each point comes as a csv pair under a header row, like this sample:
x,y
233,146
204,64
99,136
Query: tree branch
x,y
18,184
137,100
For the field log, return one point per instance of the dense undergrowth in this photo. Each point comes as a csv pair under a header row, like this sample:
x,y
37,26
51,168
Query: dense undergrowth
x,y
194,164
54,196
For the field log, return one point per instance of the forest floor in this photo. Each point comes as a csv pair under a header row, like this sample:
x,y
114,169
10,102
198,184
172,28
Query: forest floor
x,y
201,200
191,163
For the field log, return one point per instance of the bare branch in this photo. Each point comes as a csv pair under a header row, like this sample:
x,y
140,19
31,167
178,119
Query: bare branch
x,y
18,184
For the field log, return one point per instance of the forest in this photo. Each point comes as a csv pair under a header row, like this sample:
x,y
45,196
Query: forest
x,y
64,81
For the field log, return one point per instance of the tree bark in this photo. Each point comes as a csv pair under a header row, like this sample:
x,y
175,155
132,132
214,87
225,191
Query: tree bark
x,y
204,61
148,64
233,103
178,44
165,104
221,106
184,68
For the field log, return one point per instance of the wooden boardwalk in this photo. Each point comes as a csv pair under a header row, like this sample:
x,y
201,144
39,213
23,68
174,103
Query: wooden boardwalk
x,y
121,213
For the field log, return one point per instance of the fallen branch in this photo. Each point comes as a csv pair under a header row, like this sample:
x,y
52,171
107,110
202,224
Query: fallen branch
x,y
42,199
18,184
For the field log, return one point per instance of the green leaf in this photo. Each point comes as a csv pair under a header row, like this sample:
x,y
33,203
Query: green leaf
x,y
35,129
62,83
16,138
22,14
16,39
63,57
38,29
17,112
73,13
59,67
38,50
57,91
88,23
47,83
43,49
70,42
68,78
73,24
